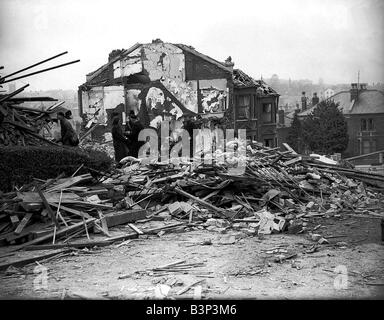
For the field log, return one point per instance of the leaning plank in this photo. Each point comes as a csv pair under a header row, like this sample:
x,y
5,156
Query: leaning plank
x,y
134,228
128,216
292,161
169,264
69,182
156,230
104,224
73,211
25,261
59,233
288,147
85,244
189,287
220,211
23,223
46,205
33,197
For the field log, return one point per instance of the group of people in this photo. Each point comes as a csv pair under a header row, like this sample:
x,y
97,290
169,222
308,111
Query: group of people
x,y
126,140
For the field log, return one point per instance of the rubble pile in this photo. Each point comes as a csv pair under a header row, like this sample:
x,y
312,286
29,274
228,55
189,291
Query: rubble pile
x,y
21,126
274,194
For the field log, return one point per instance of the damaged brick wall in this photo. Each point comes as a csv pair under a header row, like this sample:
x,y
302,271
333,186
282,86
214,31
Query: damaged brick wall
x,y
190,83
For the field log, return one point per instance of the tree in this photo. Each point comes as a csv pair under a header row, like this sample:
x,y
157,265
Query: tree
x,y
325,129
295,133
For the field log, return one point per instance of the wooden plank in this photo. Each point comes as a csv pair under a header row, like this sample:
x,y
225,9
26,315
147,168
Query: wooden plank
x,y
33,197
59,233
220,211
25,261
46,205
23,223
69,182
134,228
364,155
51,181
292,161
104,224
170,264
119,218
156,230
93,205
73,211
287,146
85,244
189,287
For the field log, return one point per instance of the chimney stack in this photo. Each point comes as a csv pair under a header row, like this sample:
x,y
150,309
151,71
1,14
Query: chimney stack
x,y
303,102
315,99
229,64
363,86
354,91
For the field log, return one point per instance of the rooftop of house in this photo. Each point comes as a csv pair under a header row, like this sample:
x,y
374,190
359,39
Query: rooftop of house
x,y
123,52
368,102
242,80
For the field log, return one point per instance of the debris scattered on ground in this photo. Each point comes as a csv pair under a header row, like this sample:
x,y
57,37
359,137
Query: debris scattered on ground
x,y
271,196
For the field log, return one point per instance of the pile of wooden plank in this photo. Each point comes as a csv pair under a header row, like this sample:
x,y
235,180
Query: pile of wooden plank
x,y
21,125
274,191
24,126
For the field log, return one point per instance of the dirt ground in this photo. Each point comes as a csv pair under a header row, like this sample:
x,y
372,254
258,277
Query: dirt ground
x,y
349,267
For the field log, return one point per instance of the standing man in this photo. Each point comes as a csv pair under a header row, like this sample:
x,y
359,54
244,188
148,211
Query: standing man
x,y
135,127
120,142
68,134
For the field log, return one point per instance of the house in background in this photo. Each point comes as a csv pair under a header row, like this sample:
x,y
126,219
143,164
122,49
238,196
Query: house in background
x,y
175,79
328,93
363,109
255,108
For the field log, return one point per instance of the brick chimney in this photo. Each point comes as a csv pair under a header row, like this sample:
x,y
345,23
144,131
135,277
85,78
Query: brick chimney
x,y
281,117
354,91
315,99
229,64
115,53
363,86
303,102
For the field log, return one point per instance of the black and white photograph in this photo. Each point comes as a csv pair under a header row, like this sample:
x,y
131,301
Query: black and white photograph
x,y
208,152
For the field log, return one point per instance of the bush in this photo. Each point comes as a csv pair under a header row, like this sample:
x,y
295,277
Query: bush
x,y
19,165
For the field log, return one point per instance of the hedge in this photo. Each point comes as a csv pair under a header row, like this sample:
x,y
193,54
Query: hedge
x,y
19,165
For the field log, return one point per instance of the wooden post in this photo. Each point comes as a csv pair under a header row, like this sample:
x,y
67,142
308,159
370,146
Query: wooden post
x,y
46,204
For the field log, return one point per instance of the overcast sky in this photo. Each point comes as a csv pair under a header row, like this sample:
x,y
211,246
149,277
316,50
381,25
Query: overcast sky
x,y
297,39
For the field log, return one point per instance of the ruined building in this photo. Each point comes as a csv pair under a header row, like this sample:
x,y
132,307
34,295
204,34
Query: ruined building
x,y
175,79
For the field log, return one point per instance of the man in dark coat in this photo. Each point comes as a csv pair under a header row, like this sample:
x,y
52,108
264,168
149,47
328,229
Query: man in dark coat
x,y
135,126
120,142
68,134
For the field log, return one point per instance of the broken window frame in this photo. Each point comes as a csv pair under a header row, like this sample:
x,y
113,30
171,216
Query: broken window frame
x,y
363,125
254,109
370,124
267,115
243,109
